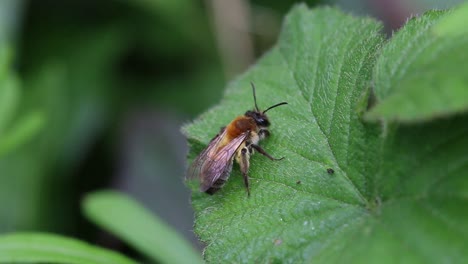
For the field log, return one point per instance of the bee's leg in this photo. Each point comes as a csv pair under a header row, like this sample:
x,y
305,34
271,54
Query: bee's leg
x,y
263,152
244,167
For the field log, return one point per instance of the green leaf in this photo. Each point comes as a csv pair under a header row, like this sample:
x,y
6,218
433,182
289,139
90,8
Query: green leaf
x,y
128,220
21,131
387,200
49,248
12,135
454,23
9,92
420,76
321,67
423,186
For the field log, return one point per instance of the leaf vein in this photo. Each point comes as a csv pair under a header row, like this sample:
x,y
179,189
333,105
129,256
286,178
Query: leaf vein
x,y
305,191
437,214
311,110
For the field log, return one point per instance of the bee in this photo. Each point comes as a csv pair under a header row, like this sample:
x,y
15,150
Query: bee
x,y
236,141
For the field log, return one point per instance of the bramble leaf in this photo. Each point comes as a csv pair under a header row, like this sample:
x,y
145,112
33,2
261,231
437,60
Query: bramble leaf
x,y
421,75
397,193
454,23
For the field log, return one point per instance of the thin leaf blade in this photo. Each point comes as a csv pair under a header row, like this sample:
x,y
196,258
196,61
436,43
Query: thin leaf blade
x,y
49,248
128,220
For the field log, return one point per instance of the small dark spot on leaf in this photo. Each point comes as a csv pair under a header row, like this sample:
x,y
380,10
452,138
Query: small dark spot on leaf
x,y
330,171
298,182
277,242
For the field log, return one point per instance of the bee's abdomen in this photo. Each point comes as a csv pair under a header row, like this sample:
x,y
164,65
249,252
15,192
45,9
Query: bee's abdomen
x,y
217,185
219,182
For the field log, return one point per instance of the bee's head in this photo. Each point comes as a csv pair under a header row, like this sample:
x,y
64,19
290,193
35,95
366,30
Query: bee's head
x,y
260,117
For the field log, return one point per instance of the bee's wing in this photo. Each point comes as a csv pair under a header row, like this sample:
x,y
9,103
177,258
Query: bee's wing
x,y
207,154
220,164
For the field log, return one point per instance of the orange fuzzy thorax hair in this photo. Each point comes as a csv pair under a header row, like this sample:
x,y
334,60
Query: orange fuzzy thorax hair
x,y
240,125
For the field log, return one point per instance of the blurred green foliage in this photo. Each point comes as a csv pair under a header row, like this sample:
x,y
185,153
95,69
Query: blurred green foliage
x,y
124,217
81,66
68,75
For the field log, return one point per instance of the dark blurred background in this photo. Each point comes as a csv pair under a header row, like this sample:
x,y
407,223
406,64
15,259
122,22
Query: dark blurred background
x,y
113,81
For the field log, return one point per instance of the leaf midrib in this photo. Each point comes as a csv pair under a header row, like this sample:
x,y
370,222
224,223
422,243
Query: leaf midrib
x,y
311,111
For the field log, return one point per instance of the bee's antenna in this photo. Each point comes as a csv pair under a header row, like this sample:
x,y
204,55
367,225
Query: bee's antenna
x,y
273,106
255,97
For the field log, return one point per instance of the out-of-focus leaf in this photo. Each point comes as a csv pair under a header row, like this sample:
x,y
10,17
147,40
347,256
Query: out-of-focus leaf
x,y
49,248
420,76
9,90
21,131
454,23
13,132
128,220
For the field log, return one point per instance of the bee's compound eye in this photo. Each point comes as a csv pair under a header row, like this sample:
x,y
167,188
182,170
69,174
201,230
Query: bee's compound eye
x,y
263,122
259,118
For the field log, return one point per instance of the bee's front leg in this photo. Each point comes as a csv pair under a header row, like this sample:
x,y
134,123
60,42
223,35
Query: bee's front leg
x,y
263,133
263,152
244,167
